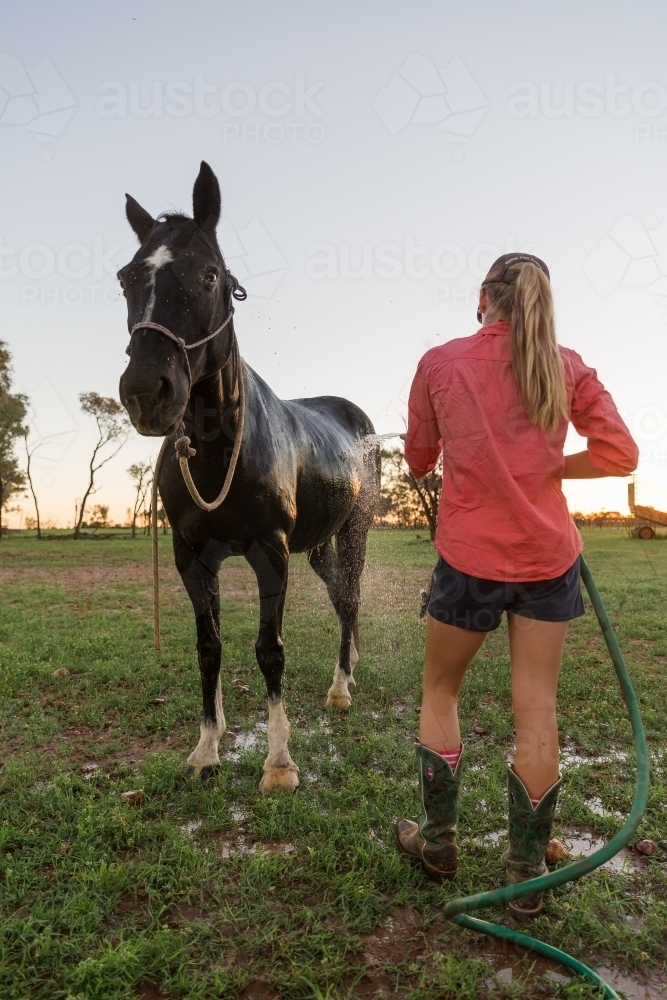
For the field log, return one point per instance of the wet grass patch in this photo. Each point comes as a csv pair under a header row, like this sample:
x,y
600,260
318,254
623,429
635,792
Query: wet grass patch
x,y
213,890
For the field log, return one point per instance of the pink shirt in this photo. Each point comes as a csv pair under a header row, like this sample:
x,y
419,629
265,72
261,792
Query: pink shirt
x,y
502,513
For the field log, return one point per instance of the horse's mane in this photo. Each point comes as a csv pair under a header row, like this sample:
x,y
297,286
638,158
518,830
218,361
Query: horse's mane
x,y
174,217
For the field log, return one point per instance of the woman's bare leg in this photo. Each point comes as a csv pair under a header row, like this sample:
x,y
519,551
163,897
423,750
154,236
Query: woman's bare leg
x,y
449,652
536,651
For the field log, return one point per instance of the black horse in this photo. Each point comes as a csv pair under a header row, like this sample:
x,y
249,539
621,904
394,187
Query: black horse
x,y
306,468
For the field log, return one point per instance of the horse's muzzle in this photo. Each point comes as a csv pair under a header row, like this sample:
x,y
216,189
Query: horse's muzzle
x,y
154,411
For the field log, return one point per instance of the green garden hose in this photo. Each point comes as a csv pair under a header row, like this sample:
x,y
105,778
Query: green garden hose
x,y
459,909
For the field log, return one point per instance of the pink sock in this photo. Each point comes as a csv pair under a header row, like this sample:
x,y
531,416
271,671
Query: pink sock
x,y
451,756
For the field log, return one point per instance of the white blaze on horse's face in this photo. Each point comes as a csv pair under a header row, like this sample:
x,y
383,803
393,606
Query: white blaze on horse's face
x,y
159,258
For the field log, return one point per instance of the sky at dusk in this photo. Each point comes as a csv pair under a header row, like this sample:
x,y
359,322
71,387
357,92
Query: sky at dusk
x,y
374,158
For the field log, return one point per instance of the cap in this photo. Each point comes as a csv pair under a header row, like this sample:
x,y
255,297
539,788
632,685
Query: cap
x,y
499,268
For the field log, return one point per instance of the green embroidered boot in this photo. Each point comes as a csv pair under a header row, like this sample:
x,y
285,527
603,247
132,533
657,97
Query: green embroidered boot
x,y
432,840
529,834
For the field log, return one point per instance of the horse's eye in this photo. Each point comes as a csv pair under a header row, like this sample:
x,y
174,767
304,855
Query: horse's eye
x,y
210,278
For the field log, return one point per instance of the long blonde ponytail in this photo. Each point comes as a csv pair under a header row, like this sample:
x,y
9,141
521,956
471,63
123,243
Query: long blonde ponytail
x,y
536,362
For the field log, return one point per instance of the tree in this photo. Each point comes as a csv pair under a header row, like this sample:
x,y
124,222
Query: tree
x,y
12,415
29,456
163,519
141,474
100,516
410,502
31,450
12,480
113,428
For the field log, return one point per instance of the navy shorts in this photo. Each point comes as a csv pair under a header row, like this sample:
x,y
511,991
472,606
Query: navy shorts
x,y
477,605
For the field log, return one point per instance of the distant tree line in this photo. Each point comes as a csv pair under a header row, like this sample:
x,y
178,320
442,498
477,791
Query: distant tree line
x,y
601,519
113,430
406,502
13,411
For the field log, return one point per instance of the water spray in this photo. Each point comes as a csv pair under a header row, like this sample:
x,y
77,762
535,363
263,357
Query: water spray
x,y
376,438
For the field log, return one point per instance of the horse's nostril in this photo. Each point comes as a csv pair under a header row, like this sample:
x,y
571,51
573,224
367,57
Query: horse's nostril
x,y
165,393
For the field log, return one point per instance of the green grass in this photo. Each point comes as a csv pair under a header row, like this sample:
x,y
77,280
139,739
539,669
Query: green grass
x,y
215,891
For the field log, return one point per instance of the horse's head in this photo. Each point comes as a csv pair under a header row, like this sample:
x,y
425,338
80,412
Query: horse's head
x,y
176,280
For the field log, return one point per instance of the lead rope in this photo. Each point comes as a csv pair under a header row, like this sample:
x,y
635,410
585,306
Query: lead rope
x,y
184,451
154,541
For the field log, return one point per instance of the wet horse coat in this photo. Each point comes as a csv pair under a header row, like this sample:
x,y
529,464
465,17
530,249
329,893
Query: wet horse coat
x,y
306,471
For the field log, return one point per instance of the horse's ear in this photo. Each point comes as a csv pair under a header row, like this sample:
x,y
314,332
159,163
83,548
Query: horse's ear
x,y
206,201
138,217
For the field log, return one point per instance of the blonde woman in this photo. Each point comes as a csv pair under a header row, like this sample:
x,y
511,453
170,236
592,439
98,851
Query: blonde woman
x,y
497,404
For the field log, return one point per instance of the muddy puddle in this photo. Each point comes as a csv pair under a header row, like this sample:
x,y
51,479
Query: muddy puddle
x,y
395,939
597,807
652,988
244,740
490,838
511,964
581,843
190,828
89,770
309,778
235,842
573,756
229,846
402,936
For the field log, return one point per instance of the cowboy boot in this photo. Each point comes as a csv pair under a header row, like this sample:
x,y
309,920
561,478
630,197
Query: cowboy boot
x,y
529,834
432,840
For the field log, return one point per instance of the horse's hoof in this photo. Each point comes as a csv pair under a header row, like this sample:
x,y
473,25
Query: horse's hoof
x,y
339,699
279,779
198,773
208,772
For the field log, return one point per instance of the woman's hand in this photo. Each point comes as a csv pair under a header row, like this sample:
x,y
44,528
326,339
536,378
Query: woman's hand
x,y
579,467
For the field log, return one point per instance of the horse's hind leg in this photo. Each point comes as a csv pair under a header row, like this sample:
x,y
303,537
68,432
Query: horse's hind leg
x,y
341,571
200,578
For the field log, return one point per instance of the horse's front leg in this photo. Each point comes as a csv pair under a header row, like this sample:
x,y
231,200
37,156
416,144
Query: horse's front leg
x,y
200,578
269,559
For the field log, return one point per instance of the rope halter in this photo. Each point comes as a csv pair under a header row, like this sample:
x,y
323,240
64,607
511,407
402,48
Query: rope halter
x,y
180,343
182,444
